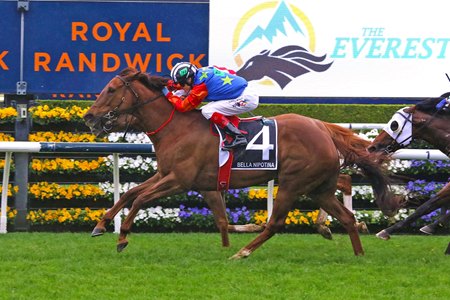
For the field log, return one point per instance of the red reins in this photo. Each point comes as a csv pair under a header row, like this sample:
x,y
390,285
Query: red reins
x,y
163,124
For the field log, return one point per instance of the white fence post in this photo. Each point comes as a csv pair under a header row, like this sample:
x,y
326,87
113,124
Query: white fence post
x,y
116,180
270,187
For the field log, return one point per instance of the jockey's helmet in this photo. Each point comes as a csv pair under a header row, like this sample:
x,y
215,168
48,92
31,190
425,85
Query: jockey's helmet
x,y
182,71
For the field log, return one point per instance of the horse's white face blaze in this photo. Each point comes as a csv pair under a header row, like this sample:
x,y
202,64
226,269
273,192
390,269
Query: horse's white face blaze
x,y
399,127
397,133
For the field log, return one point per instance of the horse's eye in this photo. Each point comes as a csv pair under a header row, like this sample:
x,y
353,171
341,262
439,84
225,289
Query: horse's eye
x,y
111,90
394,126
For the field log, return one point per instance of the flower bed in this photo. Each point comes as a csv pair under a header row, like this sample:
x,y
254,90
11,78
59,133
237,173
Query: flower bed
x,y
64,191
182,219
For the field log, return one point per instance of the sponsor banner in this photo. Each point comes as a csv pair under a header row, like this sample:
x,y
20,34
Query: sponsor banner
x,y
78,46
328,48
9,46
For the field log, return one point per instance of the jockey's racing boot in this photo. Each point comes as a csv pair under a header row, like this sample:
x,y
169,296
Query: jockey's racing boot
x,y
223,122
239,139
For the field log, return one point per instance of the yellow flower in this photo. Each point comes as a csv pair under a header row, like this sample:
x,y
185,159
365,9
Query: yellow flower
x,y
6,137
8,113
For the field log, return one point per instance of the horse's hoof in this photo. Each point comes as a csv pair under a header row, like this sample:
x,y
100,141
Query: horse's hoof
x,y
243,253
97,232
447,251
383,234
362,228
122,246
325,232
427,229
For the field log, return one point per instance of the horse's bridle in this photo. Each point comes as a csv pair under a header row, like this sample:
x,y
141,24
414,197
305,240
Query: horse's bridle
x,y
109,118
395,144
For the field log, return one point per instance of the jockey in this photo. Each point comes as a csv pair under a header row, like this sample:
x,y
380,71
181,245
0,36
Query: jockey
x,y
227,93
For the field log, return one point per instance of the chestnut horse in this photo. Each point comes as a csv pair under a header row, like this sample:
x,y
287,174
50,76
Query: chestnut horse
x,y
309,153
216,203
421,121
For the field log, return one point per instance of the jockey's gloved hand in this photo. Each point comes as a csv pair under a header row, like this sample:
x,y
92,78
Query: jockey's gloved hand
x,y
180,93
172,86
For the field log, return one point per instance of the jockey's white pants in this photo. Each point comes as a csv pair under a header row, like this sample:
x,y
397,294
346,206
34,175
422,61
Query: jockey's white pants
x,y
246,102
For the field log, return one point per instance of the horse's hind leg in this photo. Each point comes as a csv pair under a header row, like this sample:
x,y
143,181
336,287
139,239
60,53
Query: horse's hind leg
x,y
124,200
281,208
216,203
336,209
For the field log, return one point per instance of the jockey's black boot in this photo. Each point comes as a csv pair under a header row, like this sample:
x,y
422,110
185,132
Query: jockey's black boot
x,y
239,139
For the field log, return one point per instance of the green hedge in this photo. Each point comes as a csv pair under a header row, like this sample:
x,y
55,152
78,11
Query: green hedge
x,y
336,113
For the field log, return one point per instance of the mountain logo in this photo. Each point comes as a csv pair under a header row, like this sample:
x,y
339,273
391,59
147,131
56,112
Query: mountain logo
x,y
279,50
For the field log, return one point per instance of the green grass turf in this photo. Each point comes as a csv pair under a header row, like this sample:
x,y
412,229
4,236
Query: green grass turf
x,y
195,266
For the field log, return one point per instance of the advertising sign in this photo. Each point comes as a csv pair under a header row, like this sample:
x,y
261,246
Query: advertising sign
x,y
9,46
78,46
328,48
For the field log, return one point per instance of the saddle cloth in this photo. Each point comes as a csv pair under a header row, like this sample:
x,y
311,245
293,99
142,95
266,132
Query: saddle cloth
x,y
259,154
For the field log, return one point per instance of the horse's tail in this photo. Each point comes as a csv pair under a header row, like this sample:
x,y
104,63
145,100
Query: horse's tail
x,y
353,151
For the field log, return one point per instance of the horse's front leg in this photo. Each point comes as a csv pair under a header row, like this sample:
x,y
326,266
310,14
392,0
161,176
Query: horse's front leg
x,y
336,209
427,207
148,191
441,221
344,184
323,229
124,200
216,203
444,218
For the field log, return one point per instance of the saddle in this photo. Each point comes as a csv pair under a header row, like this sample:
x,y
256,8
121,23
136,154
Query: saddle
x,y
259,154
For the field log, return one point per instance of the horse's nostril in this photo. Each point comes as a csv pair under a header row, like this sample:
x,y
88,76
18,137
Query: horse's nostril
x,y
88,117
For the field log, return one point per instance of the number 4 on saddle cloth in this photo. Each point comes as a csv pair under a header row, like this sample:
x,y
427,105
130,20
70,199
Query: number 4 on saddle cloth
x,y
259,154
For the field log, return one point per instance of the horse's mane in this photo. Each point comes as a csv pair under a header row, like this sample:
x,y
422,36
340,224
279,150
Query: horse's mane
x,y
153,82
429,105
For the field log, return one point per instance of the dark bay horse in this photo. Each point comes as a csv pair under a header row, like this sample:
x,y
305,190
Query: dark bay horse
x,y
421,121
309,153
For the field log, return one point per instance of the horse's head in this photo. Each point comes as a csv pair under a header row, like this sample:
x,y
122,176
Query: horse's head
x,y
122,98
425,120
396,134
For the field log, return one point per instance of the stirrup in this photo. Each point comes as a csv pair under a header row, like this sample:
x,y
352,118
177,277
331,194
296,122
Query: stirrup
x,y
238,141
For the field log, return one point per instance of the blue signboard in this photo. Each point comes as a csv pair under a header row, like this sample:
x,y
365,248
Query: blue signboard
x,y
78,46
9,46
